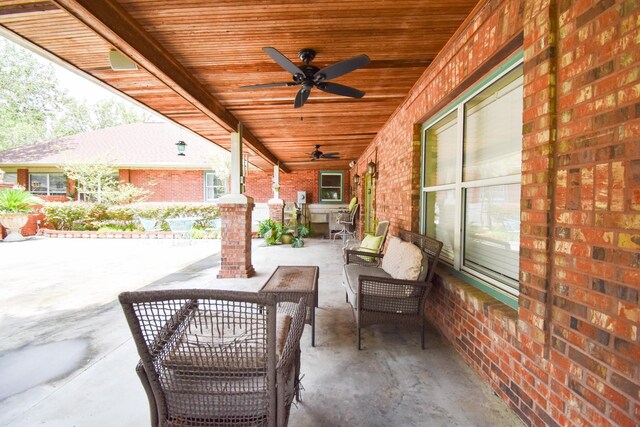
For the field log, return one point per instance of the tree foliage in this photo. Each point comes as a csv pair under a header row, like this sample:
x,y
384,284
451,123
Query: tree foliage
x,y
34,107
98,182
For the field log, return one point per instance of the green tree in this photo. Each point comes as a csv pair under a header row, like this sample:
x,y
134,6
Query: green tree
x,y
98,181
33,107
29,96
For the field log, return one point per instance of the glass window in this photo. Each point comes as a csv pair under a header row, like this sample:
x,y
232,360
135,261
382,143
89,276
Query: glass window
x,y
48,184
10,178
214,186
492,229
441,151
471,175
331,187
493,121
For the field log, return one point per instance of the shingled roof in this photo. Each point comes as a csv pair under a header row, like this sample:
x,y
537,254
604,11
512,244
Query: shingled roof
x,y
138,145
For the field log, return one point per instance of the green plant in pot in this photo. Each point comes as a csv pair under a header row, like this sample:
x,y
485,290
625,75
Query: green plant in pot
x,y
297,240
271,231
15,205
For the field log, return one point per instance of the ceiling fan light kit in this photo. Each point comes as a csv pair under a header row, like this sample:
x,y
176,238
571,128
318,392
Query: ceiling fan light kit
x,y
309,76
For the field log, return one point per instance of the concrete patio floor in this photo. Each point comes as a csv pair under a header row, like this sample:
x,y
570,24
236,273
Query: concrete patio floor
x,y
67,359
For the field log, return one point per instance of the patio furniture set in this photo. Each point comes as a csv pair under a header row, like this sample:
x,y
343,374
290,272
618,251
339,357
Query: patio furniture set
x,y
222,358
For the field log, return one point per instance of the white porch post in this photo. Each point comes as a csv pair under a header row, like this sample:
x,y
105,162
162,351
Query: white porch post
x,y
235,212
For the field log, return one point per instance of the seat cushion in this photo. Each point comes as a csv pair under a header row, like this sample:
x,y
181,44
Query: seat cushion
x,y
402,260
350,279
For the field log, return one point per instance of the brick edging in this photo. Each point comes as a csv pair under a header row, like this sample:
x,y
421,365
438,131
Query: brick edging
x,y
110,234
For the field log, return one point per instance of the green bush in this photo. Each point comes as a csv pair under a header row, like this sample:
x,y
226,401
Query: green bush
x,y
93,216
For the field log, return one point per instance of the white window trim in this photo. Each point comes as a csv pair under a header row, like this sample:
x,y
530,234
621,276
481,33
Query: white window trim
x,y
459,186
217,196
48,193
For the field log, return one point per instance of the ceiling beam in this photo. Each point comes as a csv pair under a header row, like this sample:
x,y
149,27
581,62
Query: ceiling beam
x,y
113,23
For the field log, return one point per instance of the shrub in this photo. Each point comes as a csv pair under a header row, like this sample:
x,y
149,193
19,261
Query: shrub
x,y
92,216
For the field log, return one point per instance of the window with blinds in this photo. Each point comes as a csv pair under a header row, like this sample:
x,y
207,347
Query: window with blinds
x,y
471,180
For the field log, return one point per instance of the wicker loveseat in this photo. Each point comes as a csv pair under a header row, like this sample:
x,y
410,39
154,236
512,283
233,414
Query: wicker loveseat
x,y
377,296
215,358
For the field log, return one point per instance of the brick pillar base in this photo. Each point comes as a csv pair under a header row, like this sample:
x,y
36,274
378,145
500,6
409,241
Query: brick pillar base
x,y
276,210
235,255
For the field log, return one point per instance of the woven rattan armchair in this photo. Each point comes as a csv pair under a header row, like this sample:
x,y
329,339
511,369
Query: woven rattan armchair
x,y
215,358
378,298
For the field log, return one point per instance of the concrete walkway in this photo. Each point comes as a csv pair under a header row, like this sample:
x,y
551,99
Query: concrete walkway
x,y
67,359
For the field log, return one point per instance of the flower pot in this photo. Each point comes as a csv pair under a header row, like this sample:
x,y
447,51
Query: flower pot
x,y
286,239
14,222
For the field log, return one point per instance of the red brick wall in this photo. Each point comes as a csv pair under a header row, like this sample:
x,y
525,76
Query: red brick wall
x,y
167,185
570,354
259,185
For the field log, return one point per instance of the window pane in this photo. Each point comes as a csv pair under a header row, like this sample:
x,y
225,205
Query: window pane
x,y
38,183
440,214
57,183
492,230
493,130
330,187
330,194
331,180
10,178
441,151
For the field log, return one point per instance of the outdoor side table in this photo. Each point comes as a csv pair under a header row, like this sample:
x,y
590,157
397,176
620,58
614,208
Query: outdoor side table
x,y
290,283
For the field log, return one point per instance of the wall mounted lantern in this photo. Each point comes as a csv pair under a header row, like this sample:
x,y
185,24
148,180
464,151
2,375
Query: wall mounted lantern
x,y
371,169
181,147
356,179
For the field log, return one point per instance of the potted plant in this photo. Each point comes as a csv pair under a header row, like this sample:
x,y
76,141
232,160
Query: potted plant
x,y
271,231
15,205
298,241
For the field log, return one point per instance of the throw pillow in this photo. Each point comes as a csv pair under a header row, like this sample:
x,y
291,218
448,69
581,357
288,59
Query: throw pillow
x,y
353,203
370,244
392,256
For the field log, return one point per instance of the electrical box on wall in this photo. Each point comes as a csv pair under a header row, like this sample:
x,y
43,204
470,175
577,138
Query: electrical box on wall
x,y
302,197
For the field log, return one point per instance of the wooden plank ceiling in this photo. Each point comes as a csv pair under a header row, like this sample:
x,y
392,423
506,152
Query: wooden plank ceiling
x,y
193,55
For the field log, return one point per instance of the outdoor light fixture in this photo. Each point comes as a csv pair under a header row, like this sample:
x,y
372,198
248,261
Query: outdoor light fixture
x,y
119,61
371,168
181,146
356,179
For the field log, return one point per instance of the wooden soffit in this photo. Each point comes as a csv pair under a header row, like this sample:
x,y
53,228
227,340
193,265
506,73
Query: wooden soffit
x,y
193,56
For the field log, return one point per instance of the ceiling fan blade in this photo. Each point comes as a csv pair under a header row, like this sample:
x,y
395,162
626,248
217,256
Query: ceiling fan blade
x,y
264,85
341,68
301,97
339,89
330,156
282,60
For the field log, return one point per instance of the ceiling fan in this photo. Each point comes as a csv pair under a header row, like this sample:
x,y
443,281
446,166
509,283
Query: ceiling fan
x,y
309,76
317,154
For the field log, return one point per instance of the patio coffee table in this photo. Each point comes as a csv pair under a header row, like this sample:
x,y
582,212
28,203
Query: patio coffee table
x,y
290,283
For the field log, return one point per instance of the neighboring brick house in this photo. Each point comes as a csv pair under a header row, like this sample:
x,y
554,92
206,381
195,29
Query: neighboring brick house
x,y
145,155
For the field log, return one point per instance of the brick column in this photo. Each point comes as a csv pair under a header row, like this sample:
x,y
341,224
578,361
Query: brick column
x,y
235,256
276,210
23,178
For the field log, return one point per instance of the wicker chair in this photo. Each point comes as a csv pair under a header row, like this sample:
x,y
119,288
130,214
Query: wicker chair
x,y
377,298
215,358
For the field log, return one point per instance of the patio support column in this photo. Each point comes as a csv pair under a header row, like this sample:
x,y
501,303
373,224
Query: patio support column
x,y
235,255
235,213
276,205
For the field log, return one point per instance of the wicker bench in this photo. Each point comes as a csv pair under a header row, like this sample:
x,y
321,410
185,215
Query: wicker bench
x,y
377,297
